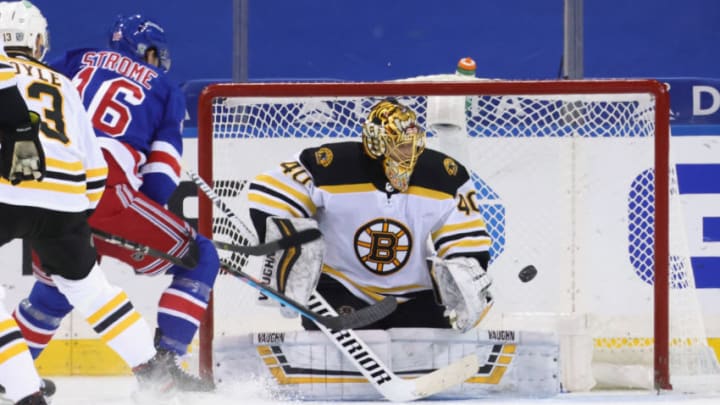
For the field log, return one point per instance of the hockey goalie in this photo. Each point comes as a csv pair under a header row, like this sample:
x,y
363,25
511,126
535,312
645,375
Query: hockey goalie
x,y
398,220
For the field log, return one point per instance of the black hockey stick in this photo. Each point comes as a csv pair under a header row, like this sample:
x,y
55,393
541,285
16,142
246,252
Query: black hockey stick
x,y
262,249
356,319
143,250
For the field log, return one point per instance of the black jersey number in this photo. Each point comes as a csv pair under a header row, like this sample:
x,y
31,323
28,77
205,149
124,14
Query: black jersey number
x,y
55,115
297,171
466,203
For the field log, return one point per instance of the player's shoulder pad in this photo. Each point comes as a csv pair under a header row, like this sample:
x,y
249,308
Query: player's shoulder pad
x,y
336,163
69,60
438,171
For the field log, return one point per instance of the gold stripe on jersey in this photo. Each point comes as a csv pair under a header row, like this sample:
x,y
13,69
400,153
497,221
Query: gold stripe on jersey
x,y
95,197
62,165
277,204
6,75
349,188
108,308
18,347
478,224
114,318
49,185
67,177
373,292
11,340
300,197
99,172
121,326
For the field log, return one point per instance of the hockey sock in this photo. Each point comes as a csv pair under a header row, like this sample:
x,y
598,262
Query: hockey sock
x,y
17,370
39,316
184,302
111,314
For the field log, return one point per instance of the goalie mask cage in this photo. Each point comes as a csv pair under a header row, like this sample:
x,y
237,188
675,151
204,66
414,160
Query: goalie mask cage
x,y
573,177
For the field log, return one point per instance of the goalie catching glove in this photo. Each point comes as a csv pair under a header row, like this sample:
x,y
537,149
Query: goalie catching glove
x,y
21,154
463,288
296,270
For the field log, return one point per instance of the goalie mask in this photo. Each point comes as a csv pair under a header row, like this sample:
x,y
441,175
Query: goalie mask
x,y
391,132
23,26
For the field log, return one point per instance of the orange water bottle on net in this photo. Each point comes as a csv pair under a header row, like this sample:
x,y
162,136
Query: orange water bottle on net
x,y
466,69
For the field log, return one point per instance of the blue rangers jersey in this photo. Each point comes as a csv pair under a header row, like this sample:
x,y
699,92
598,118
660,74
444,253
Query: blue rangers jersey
x,y
137,114
377,240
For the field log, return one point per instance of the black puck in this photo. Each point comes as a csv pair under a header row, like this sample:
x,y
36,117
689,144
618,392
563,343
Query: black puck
x,y
527,273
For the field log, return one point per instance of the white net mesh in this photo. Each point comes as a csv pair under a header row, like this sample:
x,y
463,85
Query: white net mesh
x,y
565,181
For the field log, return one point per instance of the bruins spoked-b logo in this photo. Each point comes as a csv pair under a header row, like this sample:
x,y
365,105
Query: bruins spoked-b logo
x,y
383,245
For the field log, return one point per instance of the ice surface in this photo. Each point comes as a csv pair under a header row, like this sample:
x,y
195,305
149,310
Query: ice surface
x,y
118,391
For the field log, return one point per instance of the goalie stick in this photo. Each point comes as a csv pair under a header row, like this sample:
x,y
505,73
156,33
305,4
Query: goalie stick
x,y
357,319
385,381
262,249
212,195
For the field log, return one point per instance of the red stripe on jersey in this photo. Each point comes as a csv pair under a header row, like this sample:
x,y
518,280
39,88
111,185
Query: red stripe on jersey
x,y
158,156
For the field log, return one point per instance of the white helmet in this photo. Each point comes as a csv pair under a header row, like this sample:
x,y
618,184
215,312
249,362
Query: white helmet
x,y
21,23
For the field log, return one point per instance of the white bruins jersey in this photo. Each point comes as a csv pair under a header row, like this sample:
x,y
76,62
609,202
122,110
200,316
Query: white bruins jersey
x,y
7,72
76,169
376,239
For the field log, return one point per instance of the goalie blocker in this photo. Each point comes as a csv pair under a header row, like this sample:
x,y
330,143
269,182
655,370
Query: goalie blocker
x,y
294,271
305,365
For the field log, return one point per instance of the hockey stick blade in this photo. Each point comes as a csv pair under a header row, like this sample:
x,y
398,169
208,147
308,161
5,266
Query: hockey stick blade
x,y
359,318
303,236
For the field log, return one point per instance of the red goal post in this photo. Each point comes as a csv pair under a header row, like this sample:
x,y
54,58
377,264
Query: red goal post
x,y
216,126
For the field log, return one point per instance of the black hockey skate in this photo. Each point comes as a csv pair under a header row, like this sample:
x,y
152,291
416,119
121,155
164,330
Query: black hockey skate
x,y
183,380
155,384
47,389
34,399
163,374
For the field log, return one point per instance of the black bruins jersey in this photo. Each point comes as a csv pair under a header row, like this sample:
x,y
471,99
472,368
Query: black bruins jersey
x,y
377,239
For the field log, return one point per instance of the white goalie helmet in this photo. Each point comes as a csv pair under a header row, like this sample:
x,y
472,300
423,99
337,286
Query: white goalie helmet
x,y
22,25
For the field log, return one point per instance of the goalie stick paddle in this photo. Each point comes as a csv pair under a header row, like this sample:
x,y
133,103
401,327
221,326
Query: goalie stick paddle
x,y
387,383
298,238
357,319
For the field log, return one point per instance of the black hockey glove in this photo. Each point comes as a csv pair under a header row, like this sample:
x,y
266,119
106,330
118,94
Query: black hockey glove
x,y
21,154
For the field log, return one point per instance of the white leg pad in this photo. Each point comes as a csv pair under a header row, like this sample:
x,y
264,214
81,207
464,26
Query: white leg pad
x,y
521,363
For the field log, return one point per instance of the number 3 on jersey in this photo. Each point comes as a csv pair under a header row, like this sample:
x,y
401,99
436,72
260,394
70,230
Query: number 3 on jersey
x,y
108,107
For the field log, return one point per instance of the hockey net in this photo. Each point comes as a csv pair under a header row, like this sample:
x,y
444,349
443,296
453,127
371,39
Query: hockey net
x,y
573,177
